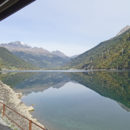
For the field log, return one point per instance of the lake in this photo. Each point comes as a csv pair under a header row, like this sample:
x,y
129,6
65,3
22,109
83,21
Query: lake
x,y
75,100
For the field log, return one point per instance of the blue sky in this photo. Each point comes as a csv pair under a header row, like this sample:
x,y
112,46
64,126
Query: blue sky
x,y
72,26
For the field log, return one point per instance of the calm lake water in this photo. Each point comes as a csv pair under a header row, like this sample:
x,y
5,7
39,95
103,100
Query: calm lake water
x,y
76,101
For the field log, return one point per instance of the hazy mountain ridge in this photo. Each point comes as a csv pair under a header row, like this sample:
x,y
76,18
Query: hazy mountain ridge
x,y
110,54
59,53
38,57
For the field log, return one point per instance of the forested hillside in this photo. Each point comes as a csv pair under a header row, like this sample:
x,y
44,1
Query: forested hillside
x,y
110,54
10,61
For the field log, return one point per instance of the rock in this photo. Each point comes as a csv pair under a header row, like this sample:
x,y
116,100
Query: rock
x,y
30,108
19,95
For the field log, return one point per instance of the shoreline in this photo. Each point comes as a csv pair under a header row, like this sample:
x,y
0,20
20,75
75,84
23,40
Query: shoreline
x,y
70,70
12,99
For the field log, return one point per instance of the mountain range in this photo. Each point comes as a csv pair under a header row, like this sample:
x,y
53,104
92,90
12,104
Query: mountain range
x,y
111,54
38,57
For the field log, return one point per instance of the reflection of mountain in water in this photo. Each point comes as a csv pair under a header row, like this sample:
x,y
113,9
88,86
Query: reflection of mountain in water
x,y
34,82
114,85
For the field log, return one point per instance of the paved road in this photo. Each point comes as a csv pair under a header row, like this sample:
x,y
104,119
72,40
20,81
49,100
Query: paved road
x,y
4,127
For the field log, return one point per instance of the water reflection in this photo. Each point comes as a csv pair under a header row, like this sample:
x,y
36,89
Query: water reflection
x,y
76,101
114,85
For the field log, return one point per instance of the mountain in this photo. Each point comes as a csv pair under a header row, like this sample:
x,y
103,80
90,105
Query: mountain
x,y
38,57
10,61
74,56
59,53
111,54
123,30
21,47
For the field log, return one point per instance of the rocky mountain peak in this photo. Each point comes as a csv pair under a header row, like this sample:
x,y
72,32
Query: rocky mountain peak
x,y
19,46
16,44
123,30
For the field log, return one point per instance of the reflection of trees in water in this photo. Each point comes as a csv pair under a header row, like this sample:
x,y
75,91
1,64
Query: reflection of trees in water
x,y
115,85
12,79
34,82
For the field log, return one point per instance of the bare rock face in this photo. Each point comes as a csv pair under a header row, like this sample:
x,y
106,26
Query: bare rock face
x,y
123,30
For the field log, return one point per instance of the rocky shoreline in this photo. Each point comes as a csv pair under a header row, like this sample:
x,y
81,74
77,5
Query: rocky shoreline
x,y
12,99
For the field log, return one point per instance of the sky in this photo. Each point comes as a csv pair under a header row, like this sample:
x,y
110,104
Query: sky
x,y
71,26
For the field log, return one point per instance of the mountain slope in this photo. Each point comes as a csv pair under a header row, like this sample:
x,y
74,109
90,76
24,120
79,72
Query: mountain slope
x,y
10,61
42,61
59,53
123,30
37,56
111,54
